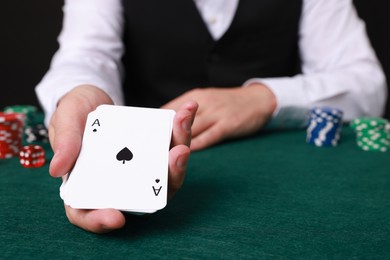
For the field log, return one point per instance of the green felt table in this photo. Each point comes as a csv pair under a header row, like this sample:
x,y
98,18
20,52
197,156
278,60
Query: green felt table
x,y
267,196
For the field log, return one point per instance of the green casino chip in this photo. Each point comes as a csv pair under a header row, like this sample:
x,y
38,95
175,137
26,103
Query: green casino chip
x,y
372,134
368,123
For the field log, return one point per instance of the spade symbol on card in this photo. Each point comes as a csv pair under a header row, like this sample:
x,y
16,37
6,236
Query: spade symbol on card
x,y
97,123
124,155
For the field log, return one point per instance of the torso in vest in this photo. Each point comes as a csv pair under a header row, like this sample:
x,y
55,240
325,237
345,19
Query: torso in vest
x,y
169,49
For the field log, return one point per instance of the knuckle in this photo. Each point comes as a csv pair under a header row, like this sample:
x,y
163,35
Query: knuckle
x,y
234,123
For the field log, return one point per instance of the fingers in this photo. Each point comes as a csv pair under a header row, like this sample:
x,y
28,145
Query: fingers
x,y
97,221
203,121
178,158
181,140
207,137
204,132
181,132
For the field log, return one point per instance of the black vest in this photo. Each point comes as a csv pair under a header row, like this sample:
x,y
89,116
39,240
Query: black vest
x,y
169,49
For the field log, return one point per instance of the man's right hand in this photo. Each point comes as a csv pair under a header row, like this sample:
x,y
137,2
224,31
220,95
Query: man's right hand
x,y
66,131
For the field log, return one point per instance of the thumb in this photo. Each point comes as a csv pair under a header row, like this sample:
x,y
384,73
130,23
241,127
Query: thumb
x,y
65,132
67,126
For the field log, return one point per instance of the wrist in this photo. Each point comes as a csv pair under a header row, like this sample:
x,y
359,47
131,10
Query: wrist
x,y
265,98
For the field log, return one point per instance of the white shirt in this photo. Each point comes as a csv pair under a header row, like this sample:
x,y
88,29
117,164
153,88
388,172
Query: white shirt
x,y
339,66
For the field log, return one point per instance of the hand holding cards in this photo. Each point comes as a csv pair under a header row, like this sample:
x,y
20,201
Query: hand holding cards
x,y
123,162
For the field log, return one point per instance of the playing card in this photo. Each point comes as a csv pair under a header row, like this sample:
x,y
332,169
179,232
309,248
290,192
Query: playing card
x,y
123,162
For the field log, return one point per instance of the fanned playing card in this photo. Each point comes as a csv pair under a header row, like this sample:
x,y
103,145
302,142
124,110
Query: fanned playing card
x,y
123,162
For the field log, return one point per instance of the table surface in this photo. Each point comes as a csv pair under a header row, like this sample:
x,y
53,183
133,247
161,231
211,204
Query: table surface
x,y
271,195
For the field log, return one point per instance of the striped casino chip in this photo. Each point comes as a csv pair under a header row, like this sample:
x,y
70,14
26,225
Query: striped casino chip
x,y
324,126
11,132
372,134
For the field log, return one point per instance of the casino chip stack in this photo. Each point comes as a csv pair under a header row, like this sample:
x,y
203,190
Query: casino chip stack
x,y
11,131
324,126
33,130
36,133
28,111
372,134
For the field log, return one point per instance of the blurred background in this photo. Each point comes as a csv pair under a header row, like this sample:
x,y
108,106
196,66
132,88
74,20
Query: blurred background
x,y
28,40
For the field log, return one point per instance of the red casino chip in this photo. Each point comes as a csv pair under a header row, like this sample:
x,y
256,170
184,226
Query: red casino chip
x,y
11,132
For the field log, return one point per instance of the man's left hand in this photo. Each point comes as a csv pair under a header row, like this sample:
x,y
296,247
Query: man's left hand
x,y
227,112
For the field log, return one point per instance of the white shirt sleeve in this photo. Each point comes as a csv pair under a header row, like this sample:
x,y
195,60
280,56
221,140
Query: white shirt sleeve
x,y
339,67
90,51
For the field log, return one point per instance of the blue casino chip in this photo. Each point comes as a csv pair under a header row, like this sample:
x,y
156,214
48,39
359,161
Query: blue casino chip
x,y
324,126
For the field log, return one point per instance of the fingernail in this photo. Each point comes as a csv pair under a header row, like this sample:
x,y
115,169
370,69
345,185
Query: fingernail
x,y
53,169
186,125
55,157
182,162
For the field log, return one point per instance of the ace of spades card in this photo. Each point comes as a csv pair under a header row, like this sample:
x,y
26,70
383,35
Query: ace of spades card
x,y
123,162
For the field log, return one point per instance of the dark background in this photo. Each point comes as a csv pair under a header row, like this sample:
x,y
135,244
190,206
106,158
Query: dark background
x,y
29,30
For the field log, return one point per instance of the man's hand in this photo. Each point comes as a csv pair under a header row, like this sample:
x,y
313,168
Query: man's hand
x,y
227,112
66,131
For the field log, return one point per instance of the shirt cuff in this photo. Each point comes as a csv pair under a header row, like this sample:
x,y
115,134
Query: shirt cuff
x,y
291,111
